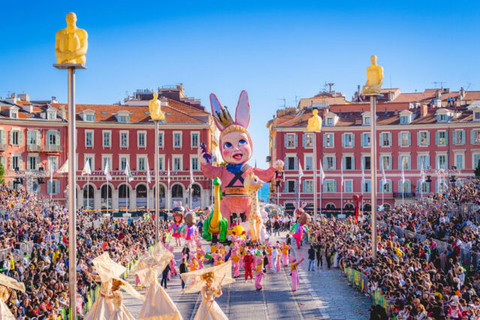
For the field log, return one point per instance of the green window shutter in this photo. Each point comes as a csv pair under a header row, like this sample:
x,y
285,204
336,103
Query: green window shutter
x,y
428,138
20,138
418,138
381,139
38,137
437,138
58,138
399,139
2,137
20,161
29,136
285,140
334,185
304,140
11,137
343,140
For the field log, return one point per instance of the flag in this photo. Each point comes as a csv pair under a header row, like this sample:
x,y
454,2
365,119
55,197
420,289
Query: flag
x,y
342,174
403,170
64,168
86,169
322,173
192,180
384,177
149,177
128,173
168,173
300,171
106,171
363,177
422,174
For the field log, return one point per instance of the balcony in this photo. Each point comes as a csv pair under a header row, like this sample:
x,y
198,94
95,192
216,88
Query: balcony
x,y
405,195
53,148
34,148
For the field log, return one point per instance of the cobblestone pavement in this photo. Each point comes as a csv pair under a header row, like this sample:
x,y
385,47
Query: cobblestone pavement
x,y
322,294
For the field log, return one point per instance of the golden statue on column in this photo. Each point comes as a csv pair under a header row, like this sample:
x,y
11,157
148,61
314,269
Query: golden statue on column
x,y
71,43
374,78
155,108
315,122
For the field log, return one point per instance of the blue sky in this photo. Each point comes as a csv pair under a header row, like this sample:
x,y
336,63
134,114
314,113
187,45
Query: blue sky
x,y
274,50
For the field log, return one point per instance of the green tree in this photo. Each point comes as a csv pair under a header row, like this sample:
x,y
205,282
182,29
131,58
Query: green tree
x,y
2,172
477,170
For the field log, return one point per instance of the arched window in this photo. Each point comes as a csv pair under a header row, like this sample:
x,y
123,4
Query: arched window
x,y
196,190
367,207
141,191
349,206
105,189
177,191
123,191
330,206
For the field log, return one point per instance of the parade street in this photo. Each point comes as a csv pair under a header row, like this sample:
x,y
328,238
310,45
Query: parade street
x,y
322,294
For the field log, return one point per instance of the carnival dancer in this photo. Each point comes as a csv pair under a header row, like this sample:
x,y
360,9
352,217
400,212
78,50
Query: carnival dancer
x,y
275,259
200,256
269,251
259,274
173,270
190,232
235,262
248,264
299,228
177,227
294,269
285,249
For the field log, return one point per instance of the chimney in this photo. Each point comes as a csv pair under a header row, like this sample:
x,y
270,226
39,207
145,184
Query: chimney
x,y
423,110
462,93
325,112
330,86
54,99
23,97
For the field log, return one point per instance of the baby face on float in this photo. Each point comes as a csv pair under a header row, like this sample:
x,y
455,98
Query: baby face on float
x,y
236,148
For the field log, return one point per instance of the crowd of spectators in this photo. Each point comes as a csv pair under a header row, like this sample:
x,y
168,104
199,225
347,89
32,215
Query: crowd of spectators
x,y
34,250
429,273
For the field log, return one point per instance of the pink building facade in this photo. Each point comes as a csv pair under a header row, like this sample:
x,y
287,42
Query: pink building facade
x,y
441,141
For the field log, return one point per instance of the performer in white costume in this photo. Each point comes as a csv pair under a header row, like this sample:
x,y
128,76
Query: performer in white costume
x,y
158,305
5,283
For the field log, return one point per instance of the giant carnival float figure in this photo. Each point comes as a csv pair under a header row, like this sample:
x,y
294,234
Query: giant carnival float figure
x,y
236,149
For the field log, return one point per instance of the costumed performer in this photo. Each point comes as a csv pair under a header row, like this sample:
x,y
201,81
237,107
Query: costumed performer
x,y
299,228
248,264
158,305
176,228
5,283
235,262
190,231
285,249
236,149
294,270
259,274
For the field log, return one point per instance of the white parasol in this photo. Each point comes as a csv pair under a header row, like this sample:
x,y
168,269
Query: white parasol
x,y
222,275
11,283
152,263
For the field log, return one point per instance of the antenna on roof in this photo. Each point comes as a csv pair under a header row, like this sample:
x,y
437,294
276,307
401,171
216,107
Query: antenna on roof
x,y
284,102
441,83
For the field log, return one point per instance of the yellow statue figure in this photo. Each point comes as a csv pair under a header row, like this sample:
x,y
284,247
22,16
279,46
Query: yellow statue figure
x,y
155,109
315,122
71,43
374,77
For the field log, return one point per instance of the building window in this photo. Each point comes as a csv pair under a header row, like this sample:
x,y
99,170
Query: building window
x,y
386,162
348,186
89,117
16,162
328,140
330,121
142,141
308,163
459,137
90,159
424,186
442,162
404,187
404,139
386,139
291,186
366,185
33,138
442,118
330,186
475,139
177,139
476,116
366,162
123,118
365,140
348,140
404,162
366,121
53,186
423,139
194,164
52,163
160,139
177,163
291,163
423,160
32,162
124,139
291,140
16,138
476,160
107,159
385,186
459,161
107,139
53,138
141,163
329,163
88,138
308,140
161,163
404,119
14,114
441,138
308,186
348,163
123,162
195,139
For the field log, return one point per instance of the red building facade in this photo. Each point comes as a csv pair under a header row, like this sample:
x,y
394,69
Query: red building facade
x,y
113,134
440,135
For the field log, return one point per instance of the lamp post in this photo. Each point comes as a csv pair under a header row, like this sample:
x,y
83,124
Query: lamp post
x,y
157,115
372,90
71,57
314,125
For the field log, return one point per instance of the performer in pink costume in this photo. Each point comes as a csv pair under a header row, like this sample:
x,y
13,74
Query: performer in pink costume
x,y
285,249
259,274
294,269
236,149
236,262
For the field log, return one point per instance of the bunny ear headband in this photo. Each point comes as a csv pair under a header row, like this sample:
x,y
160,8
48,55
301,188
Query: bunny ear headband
x,y
222,116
